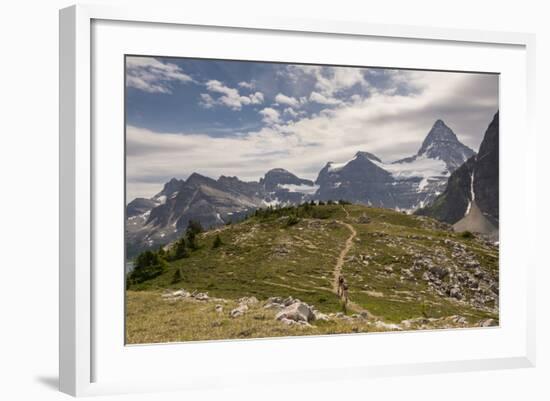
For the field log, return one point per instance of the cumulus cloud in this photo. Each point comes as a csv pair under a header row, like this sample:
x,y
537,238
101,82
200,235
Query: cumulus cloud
x,y
150,75
322,99
229,97
287,100
247,85
289,111
330,80
270,116
207,101
390,124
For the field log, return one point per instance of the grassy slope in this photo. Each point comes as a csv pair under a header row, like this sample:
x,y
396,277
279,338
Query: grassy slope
x,y
152,320
266,258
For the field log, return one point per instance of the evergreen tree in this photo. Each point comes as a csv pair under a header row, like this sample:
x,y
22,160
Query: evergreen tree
x,y
193,228
177,277
180,249
147,266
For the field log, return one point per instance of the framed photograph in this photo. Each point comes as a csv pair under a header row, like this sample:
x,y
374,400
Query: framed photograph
x,y
290,200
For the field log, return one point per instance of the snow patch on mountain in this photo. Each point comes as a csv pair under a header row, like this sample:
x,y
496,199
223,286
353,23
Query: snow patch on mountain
x,y
335,167
421,166
304,189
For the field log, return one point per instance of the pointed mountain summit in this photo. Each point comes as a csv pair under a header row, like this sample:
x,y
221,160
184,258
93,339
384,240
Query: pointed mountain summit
x,y
441,143
439,134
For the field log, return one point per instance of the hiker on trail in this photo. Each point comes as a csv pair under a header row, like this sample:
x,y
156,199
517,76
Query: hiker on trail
x,y
341,282
345,294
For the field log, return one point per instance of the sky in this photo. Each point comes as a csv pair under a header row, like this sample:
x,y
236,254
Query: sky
x,y
243,118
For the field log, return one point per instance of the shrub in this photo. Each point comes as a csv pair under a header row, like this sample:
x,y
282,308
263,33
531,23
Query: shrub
x,y
321,213
217,242
292,220
467,234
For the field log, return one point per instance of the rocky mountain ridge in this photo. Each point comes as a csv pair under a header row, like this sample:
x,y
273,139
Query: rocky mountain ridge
x,y
406,184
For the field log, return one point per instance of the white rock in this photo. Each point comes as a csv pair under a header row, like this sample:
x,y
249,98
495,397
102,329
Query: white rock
x,y
273,306
320,316
387,326
248,301
176,294
298,311
201,296
488,323
219,308
239,311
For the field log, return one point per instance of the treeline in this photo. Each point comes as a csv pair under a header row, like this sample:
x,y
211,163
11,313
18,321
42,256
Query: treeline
x,y
302,211
150,264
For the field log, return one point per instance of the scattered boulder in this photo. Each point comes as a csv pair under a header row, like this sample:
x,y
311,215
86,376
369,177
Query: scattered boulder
x,y
176,294
320,316
439,272
248,301
363,219
387,326
279,302
488,323
239,310
298,311
459,319
219,308
290,322
455,293
201,296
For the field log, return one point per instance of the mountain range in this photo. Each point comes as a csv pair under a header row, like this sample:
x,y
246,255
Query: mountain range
x,y
407,184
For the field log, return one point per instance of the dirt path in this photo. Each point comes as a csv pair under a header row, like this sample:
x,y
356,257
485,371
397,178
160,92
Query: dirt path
x,y
340,263
343,254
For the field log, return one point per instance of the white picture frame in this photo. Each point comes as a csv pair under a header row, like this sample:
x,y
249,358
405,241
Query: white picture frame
x,y
84,322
